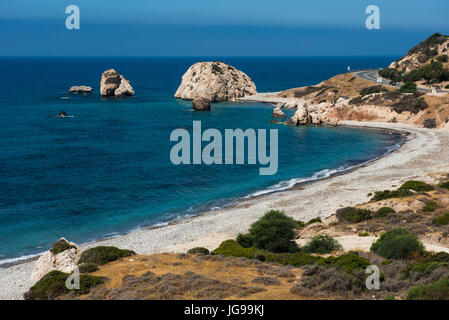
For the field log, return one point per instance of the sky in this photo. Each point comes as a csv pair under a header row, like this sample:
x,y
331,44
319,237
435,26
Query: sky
x,y
217,27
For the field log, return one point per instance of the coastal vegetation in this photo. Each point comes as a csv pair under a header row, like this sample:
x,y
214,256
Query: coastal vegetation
x,y
53,285
397,244
102,254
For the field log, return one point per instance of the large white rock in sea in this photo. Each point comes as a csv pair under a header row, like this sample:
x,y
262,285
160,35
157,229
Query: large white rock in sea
x,y
63,256
216,81
114,84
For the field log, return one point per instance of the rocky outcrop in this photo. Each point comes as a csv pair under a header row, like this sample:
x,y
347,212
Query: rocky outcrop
x,y
114,84
301,115
80,89
429,50
278,113
64,258
201,104
215,81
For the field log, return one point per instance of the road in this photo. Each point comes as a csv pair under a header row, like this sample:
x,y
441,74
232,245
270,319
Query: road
x,y
371,75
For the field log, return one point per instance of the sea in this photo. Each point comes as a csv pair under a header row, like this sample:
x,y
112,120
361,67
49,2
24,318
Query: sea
x,y
106,169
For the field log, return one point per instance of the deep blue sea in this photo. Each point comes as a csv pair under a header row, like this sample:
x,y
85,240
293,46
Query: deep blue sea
x,y
107,170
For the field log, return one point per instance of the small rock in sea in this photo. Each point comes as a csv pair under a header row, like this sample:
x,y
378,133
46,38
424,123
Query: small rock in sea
x,y
201,104
114,84
80,89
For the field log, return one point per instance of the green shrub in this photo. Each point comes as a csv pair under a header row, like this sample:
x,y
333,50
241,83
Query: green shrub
x,y
363,234
352,79
273,232
348,262
88,267
444,185
430,123
354,215
443,58
102,255
417,186
408,87
384,211
390,73
300,224
442,220
389,194
61,246
322,244
430,206
231,248
438,257
423,269
397,244
198,250
438,290
356,100
373,89
52,286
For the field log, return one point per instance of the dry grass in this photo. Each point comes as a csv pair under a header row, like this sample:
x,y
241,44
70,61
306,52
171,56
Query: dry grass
x,y
181,276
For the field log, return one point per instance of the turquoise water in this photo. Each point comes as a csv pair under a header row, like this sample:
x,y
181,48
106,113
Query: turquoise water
x,y
107,170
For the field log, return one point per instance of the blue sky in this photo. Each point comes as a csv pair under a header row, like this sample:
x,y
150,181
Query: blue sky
x,y
217,27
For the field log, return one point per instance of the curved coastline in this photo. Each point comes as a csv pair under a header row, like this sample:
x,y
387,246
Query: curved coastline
x,y
281,186
423,152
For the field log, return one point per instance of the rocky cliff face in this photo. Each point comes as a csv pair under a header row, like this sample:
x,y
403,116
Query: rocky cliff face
x,y
215,81
434,48
114,84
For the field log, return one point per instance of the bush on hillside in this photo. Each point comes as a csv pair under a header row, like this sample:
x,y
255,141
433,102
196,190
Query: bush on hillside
x,y
397,244
322,244
87,267
273,232
52,286
408,87
417,186
61,246
373,89
348,262
444,185
442,220
102,255
430,123
389,194
230,248
438,290
354,215
198,250
384,211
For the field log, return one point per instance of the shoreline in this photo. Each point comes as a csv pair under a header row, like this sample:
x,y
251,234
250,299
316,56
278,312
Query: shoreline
x,y
423,152
298,184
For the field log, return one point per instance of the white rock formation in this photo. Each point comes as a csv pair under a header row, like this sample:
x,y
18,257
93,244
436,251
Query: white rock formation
x,y
277,113
80,89
216,81
114,84
301,115
65,261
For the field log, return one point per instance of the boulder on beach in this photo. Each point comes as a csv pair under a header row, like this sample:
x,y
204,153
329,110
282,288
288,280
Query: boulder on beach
x,y
63,256
114,84
201,104
216,81
80,89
